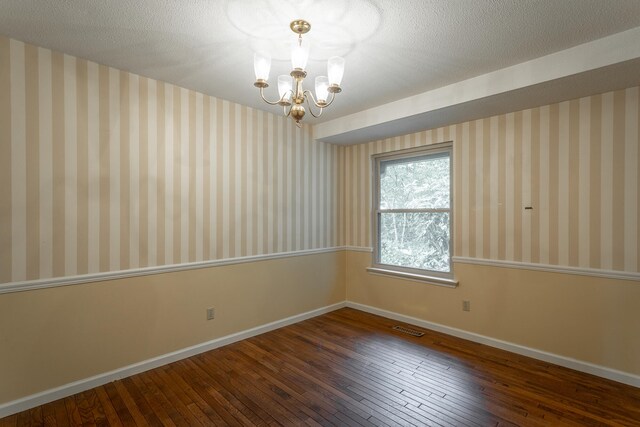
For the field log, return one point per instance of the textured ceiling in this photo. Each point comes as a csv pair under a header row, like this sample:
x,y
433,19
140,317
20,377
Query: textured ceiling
x,y
393,48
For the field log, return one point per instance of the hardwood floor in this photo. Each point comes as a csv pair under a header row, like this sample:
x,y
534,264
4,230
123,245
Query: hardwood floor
x,y
349,368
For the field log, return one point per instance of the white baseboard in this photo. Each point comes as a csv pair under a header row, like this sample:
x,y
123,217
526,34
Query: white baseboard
x,y
567,362
47,396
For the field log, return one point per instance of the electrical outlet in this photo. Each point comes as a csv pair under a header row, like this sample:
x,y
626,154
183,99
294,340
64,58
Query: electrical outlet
x,y
466,305
211,313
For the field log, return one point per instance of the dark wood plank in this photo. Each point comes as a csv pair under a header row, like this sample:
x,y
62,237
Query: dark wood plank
x,y
10,421
73,413
105,406
125,417
349,368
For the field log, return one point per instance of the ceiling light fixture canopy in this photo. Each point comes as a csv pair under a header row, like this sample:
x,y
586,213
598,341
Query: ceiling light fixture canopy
x,y
292,95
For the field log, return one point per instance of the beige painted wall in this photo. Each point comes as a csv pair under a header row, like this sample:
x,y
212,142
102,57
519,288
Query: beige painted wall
x,y
591,319
54,336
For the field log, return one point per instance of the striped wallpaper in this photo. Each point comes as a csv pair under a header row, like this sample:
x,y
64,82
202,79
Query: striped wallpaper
x,y
102,170
575,163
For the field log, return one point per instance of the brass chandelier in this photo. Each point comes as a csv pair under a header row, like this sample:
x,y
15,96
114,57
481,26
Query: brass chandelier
x,y
292,95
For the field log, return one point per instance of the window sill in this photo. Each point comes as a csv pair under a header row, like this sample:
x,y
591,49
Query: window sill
x,y
432,280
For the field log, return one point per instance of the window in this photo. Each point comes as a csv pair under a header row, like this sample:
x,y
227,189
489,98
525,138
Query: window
x,y
413,213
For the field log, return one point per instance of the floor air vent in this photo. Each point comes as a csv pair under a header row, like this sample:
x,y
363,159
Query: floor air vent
x,y
408,331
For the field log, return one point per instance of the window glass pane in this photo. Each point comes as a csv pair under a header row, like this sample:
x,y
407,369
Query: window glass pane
x,y
415,183
415,240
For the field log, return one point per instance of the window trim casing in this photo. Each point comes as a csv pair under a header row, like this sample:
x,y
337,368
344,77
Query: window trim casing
x,y
429,276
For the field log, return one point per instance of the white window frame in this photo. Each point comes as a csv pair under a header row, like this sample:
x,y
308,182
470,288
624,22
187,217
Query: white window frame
x,y
429,276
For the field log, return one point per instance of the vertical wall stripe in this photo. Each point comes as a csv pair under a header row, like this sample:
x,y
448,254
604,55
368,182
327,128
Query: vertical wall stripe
x,y
527,196
162,171
606,185
169,171
195,180
543,194
250,165
486,188
153,145
176,160
313,189
584,192
494,211
342,206
93,159
207,170
134,144
219,183
71,167
45,140
260,182
298,190
239,177
225,179
573,186
637,185
58,161
460,208
318,195
322,163
619,205
595,177
536,171
256,180
516,208
631,139
269,184
124,170
18,163
104,110
351,196
213,173
364,200
308,182
509,184
200,197
278,178
185,161
554,176
187,175
143,175
502,208
266,182
326,199
287,236
6,143
32,160
82,192
479,179
114,168
563,183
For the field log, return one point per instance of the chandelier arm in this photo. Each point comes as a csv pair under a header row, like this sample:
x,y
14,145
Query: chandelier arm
x,y
307,94
333,96
266,100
